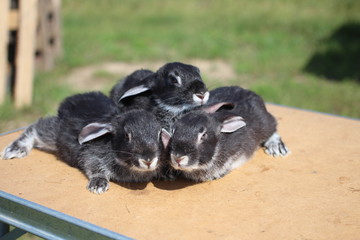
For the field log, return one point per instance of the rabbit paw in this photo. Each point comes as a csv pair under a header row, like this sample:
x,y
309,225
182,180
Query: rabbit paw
x,y
15,150
98,185
275,147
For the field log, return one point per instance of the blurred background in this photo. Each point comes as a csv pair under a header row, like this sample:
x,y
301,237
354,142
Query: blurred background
x,y
300,53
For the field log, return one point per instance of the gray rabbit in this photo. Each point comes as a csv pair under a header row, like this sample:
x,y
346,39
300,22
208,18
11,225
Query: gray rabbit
x,y
169,92
207,144
91,134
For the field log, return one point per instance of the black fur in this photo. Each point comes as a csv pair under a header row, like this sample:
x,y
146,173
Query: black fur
x,y
165,96
135,134
211,153
141,101
114,154
249,106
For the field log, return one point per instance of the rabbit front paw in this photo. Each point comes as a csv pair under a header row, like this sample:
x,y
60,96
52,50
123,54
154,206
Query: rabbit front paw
x,y
98,185
275,147
15,150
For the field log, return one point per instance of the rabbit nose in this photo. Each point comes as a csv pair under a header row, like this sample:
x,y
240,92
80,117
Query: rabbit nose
x,y
200,95
201,98
179,159
147,162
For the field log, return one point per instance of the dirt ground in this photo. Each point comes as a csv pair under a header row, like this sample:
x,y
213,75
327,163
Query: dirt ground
x,y
102,76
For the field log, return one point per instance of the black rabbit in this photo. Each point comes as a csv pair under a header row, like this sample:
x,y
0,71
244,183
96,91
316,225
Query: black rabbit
x,y
90,134
142,99
206,144
169,92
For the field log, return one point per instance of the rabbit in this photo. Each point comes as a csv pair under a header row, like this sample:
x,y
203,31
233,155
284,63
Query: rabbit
x,y
207,144
141,101
251,107
105,144
43,133
172,90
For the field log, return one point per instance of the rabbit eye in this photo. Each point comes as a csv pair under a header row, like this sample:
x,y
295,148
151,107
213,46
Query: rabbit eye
x,y
174,78
128,137
204,136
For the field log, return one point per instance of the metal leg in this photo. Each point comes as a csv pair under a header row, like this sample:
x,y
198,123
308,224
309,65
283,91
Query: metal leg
x,y
13,234
4,228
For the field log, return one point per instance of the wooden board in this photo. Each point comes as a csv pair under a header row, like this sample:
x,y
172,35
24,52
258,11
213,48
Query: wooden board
x,y
312,194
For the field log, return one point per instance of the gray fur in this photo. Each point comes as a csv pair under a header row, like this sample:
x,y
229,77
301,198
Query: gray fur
x,y
41,135
172,90
206,146
128,151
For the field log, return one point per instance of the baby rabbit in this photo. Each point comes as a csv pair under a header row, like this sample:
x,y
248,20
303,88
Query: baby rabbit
x,y
252,108
207,144
171,91
142,99
106,145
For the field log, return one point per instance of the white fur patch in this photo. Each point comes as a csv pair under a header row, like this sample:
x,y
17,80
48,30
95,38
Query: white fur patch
x,y
183,164
174,109
201,101
206,97
145,167
231,163
178,78
239,161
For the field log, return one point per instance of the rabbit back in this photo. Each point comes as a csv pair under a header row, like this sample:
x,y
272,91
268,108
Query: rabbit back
x,y
248,105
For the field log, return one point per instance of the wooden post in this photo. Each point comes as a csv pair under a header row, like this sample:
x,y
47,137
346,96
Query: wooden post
x,y
45,60
25,53
58,51
4,34
48,45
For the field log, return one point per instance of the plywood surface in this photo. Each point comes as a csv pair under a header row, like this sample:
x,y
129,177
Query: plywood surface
x,y
314,193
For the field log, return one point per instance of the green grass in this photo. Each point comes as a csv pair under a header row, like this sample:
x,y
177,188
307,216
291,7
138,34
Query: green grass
x,y
268,41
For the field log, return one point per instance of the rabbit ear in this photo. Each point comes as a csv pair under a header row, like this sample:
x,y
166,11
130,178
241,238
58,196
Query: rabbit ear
x,y
134,91
94,130
217,106
197,69
165,137
232,124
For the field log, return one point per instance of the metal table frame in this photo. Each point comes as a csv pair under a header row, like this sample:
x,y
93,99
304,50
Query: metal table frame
x,y
44,222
